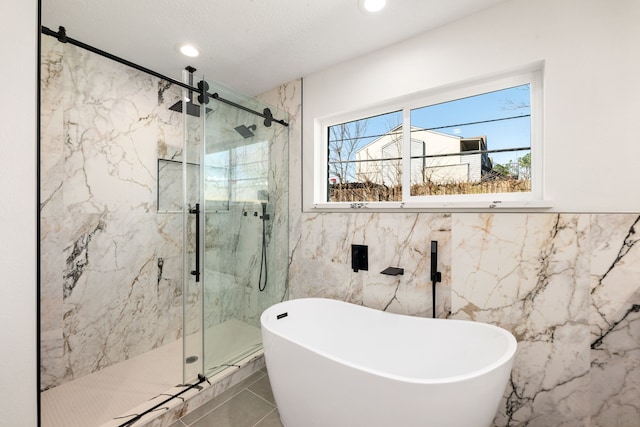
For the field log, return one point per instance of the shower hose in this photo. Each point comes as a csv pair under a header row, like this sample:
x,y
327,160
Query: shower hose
x,y
263,258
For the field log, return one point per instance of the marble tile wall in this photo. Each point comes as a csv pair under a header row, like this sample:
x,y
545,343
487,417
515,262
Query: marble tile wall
x,y
530,275
322,267
111,264
615,320
566,285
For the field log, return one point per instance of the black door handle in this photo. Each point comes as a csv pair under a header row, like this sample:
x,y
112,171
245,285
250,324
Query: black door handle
x,y
196,211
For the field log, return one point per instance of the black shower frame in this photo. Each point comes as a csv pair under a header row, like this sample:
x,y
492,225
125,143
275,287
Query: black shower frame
x,y
62,37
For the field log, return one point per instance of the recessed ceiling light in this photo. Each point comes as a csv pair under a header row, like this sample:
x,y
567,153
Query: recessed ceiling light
x,y
372,6
188,50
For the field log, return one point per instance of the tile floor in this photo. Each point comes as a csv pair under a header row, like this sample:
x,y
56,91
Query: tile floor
x,y
249,403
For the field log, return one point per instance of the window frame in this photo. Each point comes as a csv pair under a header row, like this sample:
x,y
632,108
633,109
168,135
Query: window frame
x,y
516,200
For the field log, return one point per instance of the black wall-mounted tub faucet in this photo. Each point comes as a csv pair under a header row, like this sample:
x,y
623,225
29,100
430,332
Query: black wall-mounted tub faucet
x,y
393,271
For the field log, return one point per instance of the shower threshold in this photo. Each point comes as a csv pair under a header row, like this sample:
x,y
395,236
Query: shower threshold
x,y
94,400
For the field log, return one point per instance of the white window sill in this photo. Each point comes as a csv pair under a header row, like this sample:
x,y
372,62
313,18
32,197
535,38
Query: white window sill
x,y
453,206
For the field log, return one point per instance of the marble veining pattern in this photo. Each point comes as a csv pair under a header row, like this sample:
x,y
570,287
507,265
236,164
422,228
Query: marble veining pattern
x,y
111,264
615,321
321,260
566,285
529,274
77,258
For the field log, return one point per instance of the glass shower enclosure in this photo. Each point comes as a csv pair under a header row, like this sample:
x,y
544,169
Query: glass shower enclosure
x,y
128,168
235,177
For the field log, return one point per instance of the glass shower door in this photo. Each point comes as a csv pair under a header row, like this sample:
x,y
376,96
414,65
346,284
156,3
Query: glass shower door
x,y
238,186
193,219
246,220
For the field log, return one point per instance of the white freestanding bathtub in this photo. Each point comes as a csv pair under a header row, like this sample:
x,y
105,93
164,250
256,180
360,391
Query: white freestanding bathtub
x,y
335,364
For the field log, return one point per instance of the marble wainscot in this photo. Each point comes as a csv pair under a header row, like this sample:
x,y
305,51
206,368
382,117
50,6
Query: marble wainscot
x,y
566,285
530,275
321,267
615,320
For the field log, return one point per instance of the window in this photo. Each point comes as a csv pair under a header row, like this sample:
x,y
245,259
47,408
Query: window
x,y
478,144
236,174
365,159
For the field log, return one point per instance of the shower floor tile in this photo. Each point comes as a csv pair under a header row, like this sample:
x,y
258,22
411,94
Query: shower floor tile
x,y
97,398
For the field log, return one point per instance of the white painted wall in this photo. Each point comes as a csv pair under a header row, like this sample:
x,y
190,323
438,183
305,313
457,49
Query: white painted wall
x,y
591,88
18,81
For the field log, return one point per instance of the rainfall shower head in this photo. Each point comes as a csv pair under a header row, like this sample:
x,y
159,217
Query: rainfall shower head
x,y
246,132
192,109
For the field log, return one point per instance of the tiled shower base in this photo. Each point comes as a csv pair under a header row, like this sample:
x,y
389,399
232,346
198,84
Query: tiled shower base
x,y
105,398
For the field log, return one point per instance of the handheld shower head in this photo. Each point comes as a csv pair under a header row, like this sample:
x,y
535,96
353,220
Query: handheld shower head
x,y
263,195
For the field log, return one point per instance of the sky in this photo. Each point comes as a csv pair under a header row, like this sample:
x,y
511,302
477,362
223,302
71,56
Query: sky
x,y
455,118
500,104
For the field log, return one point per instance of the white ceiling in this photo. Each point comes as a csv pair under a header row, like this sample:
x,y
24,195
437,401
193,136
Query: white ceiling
x,y
249,45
